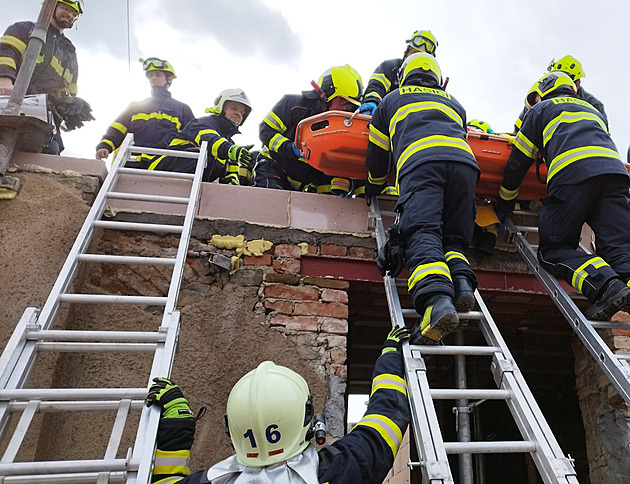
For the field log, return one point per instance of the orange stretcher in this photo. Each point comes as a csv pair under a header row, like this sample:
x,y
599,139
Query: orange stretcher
x,y
335,143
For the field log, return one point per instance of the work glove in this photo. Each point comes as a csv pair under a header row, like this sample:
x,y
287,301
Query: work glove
x,y
395,339
296,151
391,256
240,154
367,108
73,110
169,397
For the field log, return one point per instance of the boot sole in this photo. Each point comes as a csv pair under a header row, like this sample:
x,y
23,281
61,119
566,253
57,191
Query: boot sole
x,y
445,325
621,303
465,303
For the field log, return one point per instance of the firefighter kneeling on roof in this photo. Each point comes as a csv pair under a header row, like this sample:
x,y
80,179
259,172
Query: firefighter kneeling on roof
x,y
270,420
225,159
424,129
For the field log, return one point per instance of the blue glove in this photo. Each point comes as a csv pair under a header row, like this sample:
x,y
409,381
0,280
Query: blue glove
x,y
367,108
296,151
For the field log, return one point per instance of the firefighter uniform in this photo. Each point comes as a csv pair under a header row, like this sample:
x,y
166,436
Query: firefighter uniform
x,y
153,121
277,165
56,71
424,129
383,80
365,455
586,182
217,130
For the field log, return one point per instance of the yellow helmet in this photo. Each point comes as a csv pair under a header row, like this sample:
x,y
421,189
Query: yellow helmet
x,y
423,38
482,125
569,65
420,63
155,64
76,5
236,95
269,413
551,84
341,81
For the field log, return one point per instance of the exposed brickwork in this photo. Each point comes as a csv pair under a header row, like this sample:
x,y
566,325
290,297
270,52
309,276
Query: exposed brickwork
x,y
262,260
333,295
336,250
332,310
299,293
364,253
295,323
284,307
283,250
330,283
335,326
293,279
291,266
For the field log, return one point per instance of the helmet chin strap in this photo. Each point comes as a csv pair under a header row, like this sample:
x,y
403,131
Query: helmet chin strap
x,y
320,91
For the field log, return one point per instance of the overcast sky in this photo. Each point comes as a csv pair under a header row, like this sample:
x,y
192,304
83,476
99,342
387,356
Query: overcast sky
x,y
491,51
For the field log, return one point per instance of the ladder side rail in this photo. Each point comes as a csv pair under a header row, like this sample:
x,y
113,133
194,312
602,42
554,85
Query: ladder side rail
x,y
425,425
616,370
83,239
189,219
551,462
79,478
144,446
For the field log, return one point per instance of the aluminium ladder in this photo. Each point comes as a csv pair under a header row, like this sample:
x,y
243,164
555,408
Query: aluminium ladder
x,y
615,367
35,334
539,440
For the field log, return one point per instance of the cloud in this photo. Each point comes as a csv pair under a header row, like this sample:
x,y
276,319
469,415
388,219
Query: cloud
x,y
247,28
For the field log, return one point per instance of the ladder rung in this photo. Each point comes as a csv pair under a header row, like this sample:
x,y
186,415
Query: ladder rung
x,y
505,447
126,259
623,357
157,174
470,394
65,466
96,336
161,151
73,394
147,198
159,228
68,347
78,478
469,316
74,406
609,325
116,299
456,350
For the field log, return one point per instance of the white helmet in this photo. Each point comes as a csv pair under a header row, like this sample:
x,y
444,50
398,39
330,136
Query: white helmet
x,y
236,95
269,414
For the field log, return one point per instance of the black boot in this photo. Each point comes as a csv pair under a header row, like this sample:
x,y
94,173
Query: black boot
x,y
438,320
615,297
464,294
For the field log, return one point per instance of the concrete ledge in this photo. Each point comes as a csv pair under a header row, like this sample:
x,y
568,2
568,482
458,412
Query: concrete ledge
x,y
61,163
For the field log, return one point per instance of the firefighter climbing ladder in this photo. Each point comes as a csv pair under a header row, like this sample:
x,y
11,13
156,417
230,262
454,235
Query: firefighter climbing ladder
x,y
539,441
34,334
614,366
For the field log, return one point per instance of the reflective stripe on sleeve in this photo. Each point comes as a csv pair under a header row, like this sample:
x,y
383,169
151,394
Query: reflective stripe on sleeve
x,y
424,270
506,194
274,121
525,146
277,141
388,381
379,139
172,462
8,61
120,127
14,42
387,429
382,79
450,255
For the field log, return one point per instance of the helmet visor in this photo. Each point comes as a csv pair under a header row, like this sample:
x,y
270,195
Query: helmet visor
x,y
155,63
418,41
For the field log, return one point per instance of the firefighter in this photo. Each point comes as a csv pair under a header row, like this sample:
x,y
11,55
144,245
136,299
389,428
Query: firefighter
x,y
225,158
152,121
573,67
281,165
586,183
424,130
385,77
269,419
55,73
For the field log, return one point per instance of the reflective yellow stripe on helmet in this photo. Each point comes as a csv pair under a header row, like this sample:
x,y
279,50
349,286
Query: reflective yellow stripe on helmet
x,y
424,270
431,142
565,159
506,194
14,42
387,429
381,78
407,109
388,381
450,255
172,462
379,139
146,116
8,61
274,121
580,274
570,117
